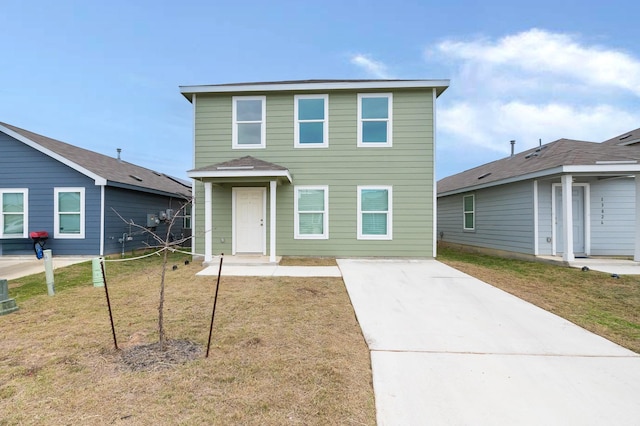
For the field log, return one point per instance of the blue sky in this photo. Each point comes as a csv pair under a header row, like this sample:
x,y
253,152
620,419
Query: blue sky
x,y
105,75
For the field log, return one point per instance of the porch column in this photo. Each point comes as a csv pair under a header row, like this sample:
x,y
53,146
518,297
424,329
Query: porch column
x,y
208,222
567,218
636,252
272,221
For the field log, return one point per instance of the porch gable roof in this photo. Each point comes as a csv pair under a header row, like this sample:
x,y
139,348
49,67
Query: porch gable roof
x,y
244,167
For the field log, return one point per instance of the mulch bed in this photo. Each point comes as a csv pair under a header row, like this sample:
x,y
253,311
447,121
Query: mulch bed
x,y
151,358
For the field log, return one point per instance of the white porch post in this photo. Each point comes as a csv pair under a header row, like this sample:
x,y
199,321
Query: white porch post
x,y
636,252
567,218
272,221
208,222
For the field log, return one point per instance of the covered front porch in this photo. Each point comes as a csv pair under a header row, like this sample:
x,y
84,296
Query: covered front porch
x,y
590,214
249,213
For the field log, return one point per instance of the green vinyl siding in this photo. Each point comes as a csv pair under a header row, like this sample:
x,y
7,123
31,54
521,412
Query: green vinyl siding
x,y
407,167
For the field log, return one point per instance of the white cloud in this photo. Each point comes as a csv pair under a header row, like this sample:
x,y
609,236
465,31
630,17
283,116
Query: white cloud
x,y
551,56
529,86
372,67
493,125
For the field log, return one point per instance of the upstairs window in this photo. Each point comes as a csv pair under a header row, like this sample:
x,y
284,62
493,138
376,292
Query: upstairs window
x,y
13,213
311,205
469,212
311,121
249,122
69,213
375,219
375,119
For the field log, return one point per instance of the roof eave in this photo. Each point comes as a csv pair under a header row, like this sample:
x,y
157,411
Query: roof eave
x,y
591,168
203,174
439,85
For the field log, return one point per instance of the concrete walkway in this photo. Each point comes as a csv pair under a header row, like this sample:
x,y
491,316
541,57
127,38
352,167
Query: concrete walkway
x,y
13,267
448,349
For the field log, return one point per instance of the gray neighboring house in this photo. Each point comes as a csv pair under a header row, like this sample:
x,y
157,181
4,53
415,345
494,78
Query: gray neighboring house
x,y
567,198
71,193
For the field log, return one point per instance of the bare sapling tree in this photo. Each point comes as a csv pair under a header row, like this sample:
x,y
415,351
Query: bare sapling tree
x,y
166,244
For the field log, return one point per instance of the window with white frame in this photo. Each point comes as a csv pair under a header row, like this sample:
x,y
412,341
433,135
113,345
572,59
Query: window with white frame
x,y
311,121
311,205
186,219
469,212
375,119
14,213
375,213
249,122
69,211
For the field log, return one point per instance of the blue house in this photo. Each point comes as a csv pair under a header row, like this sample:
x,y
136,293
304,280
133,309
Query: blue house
x,y
73,195
567,199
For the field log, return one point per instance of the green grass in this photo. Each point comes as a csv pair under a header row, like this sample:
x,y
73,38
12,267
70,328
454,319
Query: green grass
x,y
594,300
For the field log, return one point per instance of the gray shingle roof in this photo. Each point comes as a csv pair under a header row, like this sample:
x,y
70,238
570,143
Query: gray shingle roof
x,y
625,139
563,152
114,171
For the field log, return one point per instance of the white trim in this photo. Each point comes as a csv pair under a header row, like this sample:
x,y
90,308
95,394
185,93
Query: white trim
x,y
25,212
193,137
636,252
536,227
388,121
325,214
567,217
102,225
433,177
99,180
389,235
262,122
56,213
240,173
324,121
208,221
193,216
586,218
473,212
308,86
272,220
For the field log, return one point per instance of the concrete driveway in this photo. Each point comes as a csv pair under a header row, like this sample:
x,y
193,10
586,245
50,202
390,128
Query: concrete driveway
x,y
448,349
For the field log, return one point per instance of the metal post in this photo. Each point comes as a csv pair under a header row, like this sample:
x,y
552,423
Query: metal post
x,y
106,291
48,270
215,300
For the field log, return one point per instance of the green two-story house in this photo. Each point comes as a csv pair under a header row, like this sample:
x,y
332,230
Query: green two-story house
x,y
315,168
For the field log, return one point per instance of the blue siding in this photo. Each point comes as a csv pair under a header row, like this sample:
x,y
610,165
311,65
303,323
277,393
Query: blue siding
x,y
24,167
503,215
134,206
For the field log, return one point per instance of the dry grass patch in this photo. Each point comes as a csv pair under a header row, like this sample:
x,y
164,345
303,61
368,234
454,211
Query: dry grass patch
x,y
307,261
606,306
284,351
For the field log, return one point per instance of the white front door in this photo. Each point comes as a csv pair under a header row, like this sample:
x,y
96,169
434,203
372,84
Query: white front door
x,y
578,213
249,209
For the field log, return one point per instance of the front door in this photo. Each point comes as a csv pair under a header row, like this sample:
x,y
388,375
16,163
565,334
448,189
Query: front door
x,y
249,220
577,198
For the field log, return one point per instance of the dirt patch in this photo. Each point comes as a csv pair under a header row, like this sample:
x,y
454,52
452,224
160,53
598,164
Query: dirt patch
x,y
152,358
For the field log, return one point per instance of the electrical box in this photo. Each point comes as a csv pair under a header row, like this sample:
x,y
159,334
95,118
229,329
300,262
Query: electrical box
x,y
162,216
170,214
152,220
